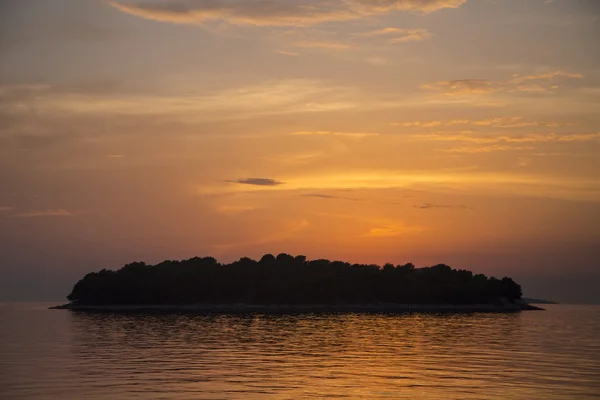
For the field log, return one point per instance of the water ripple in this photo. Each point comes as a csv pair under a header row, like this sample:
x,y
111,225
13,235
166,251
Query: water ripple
x,y
531,355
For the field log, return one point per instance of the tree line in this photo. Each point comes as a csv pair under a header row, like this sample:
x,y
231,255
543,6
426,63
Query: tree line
x,y
288,280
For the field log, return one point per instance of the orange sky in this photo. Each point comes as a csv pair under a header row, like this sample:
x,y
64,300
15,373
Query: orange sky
x,y
458,131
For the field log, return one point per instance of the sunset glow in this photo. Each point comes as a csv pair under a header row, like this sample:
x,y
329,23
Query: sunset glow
x,y
458,131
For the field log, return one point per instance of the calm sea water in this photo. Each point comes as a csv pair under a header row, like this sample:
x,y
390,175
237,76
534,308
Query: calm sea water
x,y
50,354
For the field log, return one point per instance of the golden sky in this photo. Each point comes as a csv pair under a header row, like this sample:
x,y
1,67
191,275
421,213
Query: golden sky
x,y
464,132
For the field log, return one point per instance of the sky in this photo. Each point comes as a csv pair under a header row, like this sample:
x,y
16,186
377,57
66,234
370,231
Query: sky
x,y
464,132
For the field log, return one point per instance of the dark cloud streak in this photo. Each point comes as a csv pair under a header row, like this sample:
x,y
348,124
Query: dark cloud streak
x,y
329,197
257,182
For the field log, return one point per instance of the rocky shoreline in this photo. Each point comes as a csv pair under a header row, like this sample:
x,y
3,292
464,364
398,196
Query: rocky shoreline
x,y
249,308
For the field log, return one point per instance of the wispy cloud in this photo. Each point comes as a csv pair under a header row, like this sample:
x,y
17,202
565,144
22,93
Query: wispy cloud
x,y
476,182
411,35
546,77
329,197
269,98
287,53
501,122
257,182
5,209
472,143
544,84
44,213
525,138
487,149
319,39
333,133
461,86
430,206
335,46
415,6
391,230
280,13
258,13
400,35
382,32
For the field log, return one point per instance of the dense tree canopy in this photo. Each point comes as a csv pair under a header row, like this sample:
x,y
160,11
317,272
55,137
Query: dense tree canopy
x,y
288,280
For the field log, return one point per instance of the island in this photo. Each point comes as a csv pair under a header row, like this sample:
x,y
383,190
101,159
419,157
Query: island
x,y
288,283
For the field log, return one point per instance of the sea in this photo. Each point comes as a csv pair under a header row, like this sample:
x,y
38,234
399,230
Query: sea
x,y
61,354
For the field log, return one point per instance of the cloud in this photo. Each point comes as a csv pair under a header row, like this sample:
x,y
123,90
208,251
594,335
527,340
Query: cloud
x,y
527,138
429,206
392,35
400,35
487,149
258,13
333,133
287,53
383,32
5,209
512,122
28,91
390,230
269,98
385,231
472,143
501,122
411,35
335,46
258,182
509,183
548,76
370,7
44,213
463,87
275,13
329,197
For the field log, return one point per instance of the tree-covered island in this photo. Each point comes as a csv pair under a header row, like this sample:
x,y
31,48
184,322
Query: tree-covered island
x,y
290,281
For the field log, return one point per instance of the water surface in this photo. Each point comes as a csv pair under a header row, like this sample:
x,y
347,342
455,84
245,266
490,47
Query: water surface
x,y
59,354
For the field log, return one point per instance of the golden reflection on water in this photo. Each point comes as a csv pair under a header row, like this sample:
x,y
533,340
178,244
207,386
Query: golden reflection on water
x,y
546,355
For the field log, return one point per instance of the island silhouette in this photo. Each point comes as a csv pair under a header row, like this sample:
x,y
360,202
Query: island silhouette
x,y
293,282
